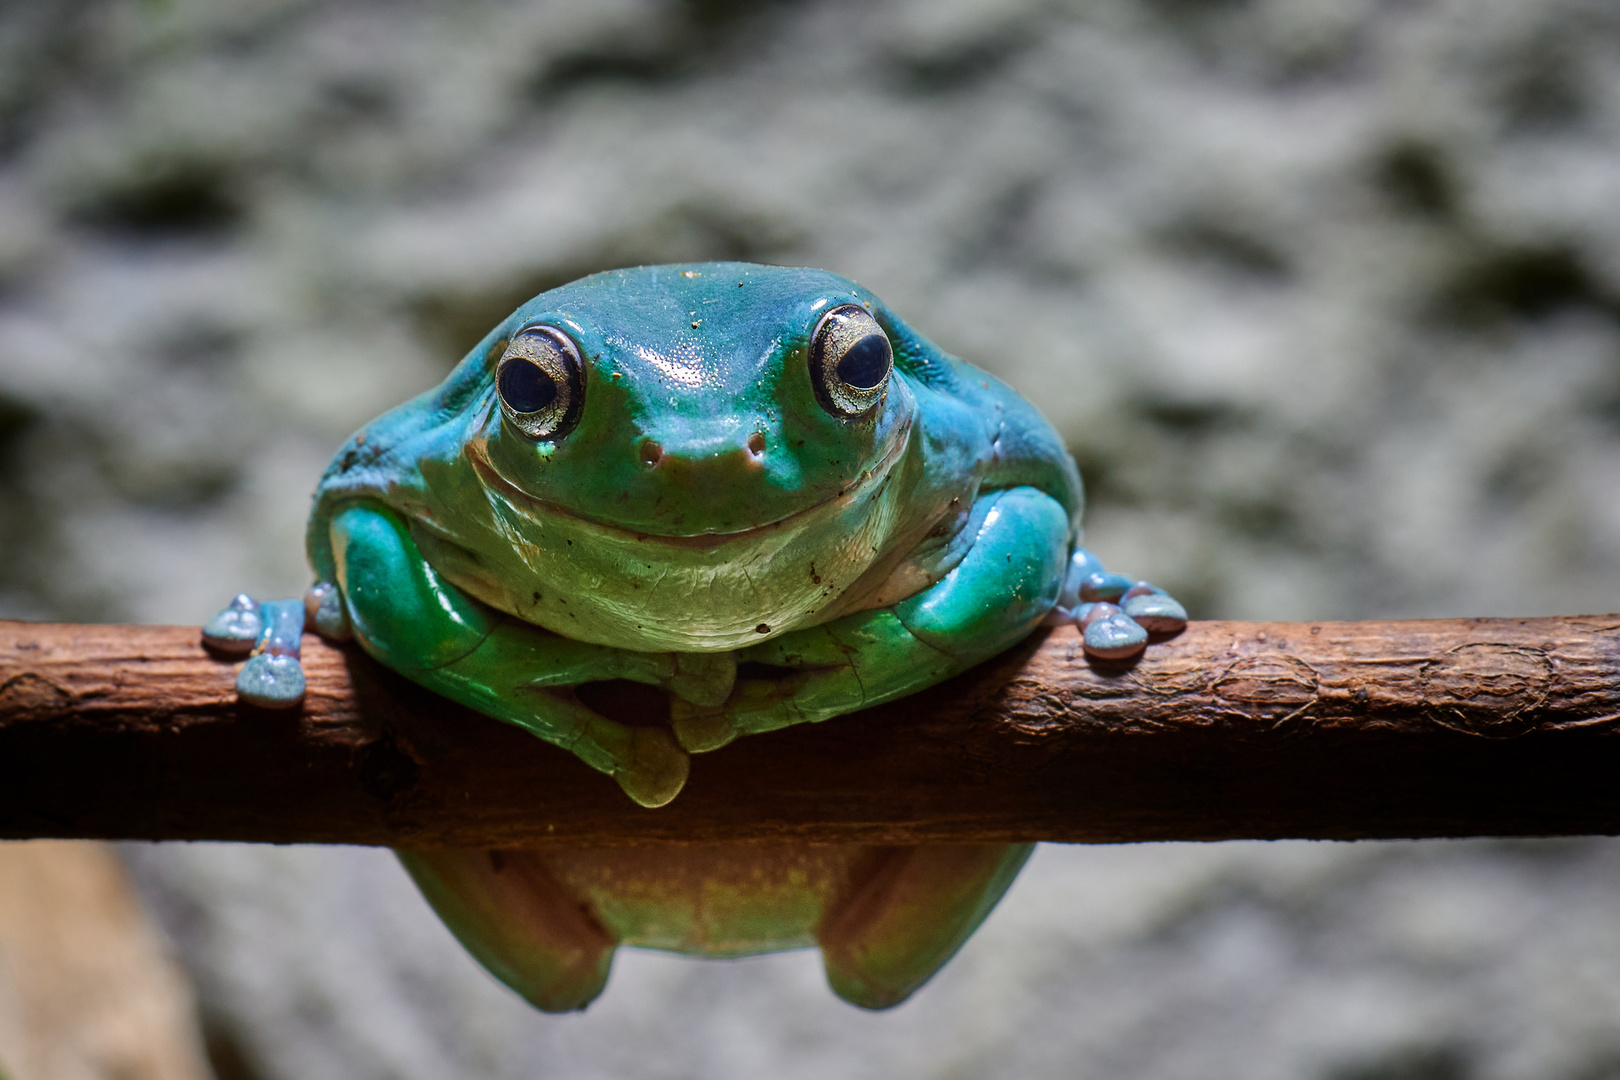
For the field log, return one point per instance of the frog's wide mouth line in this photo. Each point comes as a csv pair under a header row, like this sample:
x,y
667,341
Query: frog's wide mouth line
x,y
534,507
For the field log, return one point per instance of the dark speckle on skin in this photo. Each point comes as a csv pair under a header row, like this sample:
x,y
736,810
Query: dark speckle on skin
x,y
763,628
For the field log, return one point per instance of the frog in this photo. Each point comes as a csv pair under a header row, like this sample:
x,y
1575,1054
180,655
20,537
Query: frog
x,y
754,489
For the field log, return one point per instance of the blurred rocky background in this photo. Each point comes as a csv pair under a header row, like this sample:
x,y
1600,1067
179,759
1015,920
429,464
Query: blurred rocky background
x,y
1325,295
88,988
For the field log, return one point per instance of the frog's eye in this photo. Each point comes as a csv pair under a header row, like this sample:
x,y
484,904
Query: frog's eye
x,y
541,383
850,361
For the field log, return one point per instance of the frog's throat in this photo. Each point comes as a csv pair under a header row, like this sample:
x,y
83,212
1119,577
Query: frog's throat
x,y
606,584
536,508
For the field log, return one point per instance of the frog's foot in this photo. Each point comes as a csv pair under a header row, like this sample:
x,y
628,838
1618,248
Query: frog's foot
x,y
702,679
272,678
701,728
325,611
1115,614
699,689
655,769
236,630
802,677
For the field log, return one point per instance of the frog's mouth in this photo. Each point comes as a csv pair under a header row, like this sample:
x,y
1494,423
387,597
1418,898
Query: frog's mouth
x,y
537,509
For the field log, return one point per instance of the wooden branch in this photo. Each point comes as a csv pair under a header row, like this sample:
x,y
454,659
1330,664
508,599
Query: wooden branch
x,y
1377,729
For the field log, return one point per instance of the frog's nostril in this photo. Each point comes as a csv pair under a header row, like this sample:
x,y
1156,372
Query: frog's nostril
x,y
651,453
756,443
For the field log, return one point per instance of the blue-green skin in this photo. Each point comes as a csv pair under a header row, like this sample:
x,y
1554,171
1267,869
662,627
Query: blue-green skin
x,y
874,556
706,510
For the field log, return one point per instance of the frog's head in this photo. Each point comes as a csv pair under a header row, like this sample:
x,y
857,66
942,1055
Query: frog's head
x,y
696,403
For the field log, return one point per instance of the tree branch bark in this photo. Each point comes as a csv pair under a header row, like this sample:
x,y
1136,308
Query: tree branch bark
x,y
1455,727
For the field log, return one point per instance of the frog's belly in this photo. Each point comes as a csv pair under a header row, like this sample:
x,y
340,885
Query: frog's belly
x,y
709,899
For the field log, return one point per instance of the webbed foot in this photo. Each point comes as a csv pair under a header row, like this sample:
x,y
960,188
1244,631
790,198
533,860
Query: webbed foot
x,y
1115,614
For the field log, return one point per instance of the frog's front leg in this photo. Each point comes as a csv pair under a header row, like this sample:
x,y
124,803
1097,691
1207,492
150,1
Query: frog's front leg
x,y
409,618
1008,581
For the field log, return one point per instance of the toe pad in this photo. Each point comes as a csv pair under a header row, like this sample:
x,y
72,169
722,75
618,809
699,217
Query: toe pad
x,y
271,682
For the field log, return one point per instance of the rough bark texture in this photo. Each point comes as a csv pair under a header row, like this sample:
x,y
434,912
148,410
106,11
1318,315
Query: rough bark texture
x,y
1374,729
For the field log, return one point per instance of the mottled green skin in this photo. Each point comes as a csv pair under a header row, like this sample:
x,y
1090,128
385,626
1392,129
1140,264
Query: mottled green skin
x,y
872,557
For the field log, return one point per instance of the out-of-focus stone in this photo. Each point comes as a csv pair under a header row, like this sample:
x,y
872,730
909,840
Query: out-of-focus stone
x,y
87,990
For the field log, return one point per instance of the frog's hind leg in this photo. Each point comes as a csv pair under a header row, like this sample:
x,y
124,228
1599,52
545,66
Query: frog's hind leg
x,y
915,910
411,619
520,923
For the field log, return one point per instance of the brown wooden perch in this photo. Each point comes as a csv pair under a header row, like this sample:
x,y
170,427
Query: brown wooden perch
x,y
1455,727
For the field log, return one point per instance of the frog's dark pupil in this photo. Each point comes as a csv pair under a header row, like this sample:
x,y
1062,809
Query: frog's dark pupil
x,y
525,387
866,363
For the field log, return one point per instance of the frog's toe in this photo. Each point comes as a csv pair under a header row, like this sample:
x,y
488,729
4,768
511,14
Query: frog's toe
x,y
700,728
237,628
1087,582
1109,633
1103,587
704,679
1156,610
325,610
271,681
657,768
1115,613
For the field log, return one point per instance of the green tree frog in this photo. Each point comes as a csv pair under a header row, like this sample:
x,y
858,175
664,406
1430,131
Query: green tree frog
x,y
753,487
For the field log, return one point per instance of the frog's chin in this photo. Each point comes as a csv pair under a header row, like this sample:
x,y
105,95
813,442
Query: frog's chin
x,y
602,582
541,510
